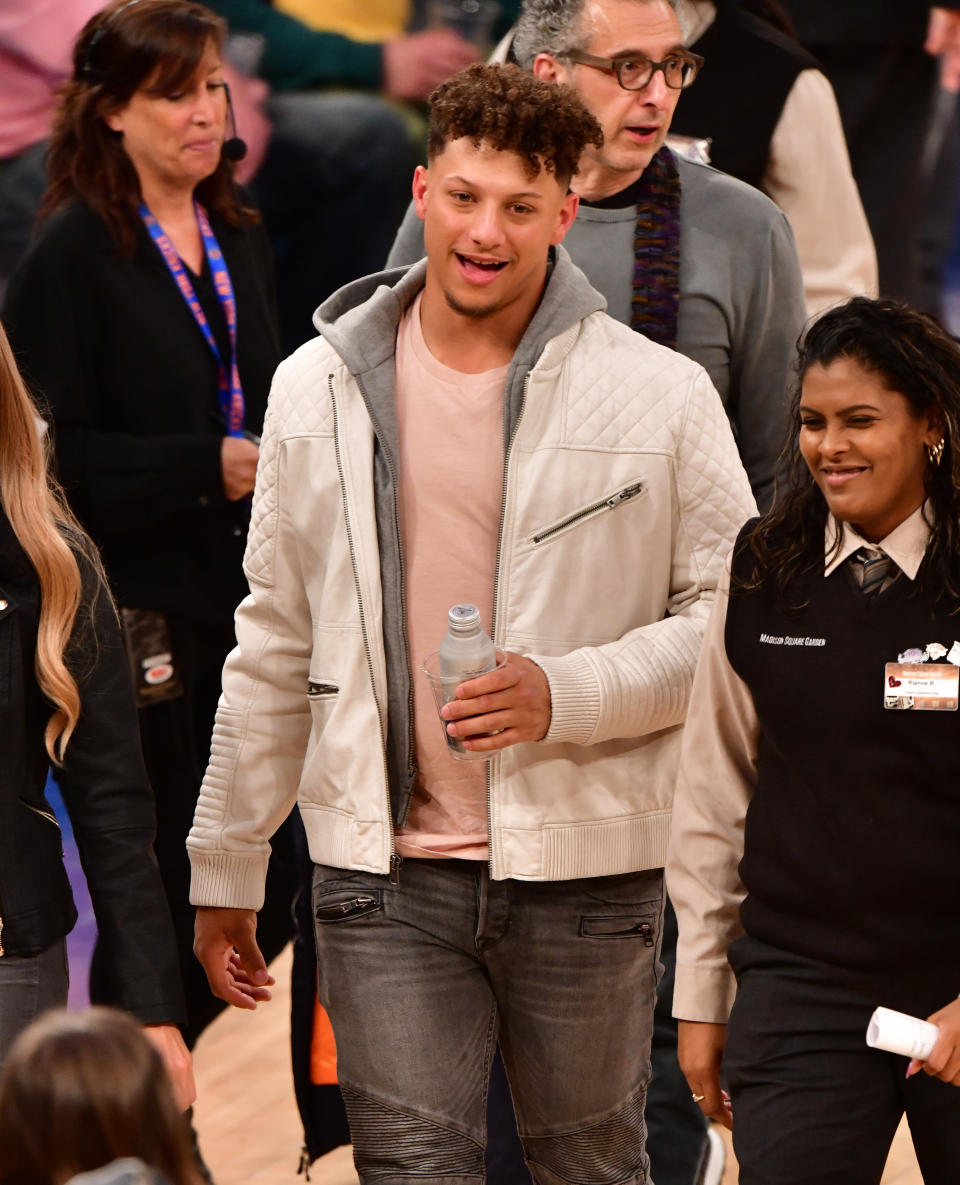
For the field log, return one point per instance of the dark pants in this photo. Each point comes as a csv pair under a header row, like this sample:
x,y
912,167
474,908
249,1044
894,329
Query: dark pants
x,y
812,1103
29,985
176,746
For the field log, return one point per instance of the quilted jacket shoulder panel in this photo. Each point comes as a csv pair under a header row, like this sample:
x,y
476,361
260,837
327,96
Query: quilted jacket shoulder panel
x,y
625,398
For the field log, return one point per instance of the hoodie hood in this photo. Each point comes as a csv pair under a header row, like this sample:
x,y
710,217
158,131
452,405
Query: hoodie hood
x,y
361,319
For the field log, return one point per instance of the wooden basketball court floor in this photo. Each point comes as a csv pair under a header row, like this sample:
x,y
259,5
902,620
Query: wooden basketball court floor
x,y
247,1119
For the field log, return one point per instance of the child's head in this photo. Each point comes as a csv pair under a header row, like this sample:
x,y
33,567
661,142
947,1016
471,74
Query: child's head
x,y
81,1089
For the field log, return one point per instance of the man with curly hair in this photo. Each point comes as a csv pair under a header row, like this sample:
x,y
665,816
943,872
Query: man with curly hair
x,y
474,429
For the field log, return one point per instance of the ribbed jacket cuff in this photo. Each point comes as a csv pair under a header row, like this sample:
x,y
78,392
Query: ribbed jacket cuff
x,y
704,993
226,880
574,698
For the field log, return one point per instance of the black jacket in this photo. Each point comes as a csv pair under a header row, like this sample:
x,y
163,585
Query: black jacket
x,y
109,800
110,345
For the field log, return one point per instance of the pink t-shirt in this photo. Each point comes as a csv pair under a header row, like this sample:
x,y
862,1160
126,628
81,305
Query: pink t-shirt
x,y
450,480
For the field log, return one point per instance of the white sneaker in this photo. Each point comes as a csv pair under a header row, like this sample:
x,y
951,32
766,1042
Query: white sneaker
x,y
716,1158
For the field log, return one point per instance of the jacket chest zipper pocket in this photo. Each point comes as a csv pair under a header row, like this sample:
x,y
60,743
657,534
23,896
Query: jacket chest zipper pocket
x,y
318,689
627,494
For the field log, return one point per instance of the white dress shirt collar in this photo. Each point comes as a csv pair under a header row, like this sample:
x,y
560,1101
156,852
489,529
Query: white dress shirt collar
x,y
905,545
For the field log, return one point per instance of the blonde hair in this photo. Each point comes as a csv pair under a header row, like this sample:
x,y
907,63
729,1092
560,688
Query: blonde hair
x,y
52,539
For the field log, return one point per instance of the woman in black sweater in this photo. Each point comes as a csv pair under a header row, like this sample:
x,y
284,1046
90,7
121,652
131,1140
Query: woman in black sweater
x,y
144,317
817,819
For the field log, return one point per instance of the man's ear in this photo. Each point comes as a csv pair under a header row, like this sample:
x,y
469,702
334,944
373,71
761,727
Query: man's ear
x,y
568,212
420,184
548,69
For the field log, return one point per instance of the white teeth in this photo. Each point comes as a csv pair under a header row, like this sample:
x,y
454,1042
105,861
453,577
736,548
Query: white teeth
x,y
490,264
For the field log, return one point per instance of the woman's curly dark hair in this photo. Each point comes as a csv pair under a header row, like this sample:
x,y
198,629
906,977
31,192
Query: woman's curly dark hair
x,y
512,111
911,354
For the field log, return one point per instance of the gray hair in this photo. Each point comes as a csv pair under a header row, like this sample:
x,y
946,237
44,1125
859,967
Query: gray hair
x,y
552,26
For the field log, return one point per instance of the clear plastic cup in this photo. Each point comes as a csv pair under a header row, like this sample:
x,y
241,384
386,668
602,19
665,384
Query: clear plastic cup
x,y
444,689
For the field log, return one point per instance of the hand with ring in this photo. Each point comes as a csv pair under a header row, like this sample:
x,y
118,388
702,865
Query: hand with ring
x,y
700,1050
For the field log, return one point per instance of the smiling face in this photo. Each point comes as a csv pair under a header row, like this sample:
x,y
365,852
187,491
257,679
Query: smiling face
x,y
864,445
174,140
634,123
487,228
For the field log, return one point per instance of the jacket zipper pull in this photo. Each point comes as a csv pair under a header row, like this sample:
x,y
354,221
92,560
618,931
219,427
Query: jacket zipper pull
x,y
395,862
625,495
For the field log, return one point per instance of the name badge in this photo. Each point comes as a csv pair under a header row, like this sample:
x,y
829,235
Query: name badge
x,y
929,687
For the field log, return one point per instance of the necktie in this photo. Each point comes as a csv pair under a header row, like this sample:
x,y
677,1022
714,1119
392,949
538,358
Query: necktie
x,y
875,568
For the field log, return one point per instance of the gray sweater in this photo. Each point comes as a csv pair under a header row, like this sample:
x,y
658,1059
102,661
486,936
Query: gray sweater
x,y
741,297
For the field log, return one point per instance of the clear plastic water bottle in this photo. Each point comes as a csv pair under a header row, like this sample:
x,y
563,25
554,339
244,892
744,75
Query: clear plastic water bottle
x,y
465,652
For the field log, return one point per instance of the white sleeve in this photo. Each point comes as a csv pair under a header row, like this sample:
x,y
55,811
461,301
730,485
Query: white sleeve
x,y
715,782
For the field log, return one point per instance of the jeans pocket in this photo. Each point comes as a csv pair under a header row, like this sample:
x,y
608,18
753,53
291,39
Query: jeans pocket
x,y
641,926
345,903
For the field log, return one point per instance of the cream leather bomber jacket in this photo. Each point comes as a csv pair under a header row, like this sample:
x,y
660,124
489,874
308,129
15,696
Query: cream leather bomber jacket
x,y
623,492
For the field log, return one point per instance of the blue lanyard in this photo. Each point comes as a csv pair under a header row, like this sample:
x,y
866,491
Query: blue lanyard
x,y
228,382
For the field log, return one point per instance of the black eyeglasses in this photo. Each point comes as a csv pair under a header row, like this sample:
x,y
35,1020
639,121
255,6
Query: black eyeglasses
x,y
636,72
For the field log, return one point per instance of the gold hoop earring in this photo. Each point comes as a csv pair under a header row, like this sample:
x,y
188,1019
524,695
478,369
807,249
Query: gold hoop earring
x,y
935,451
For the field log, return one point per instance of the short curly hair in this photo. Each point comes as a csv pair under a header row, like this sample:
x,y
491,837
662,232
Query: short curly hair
x,y
512,111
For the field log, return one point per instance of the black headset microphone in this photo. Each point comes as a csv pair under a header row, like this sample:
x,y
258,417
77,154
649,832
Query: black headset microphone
x,y
234,149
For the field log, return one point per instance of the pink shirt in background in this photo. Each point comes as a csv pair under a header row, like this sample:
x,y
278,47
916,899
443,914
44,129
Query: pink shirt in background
x,y
36,43
450,482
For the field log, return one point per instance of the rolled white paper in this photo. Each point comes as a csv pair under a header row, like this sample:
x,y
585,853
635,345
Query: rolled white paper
x,y
898,1033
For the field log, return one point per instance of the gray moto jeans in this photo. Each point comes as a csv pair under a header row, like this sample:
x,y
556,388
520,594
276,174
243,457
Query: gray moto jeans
x,y
421,979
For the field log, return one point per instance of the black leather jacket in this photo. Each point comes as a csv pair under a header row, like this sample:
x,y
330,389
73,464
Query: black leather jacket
x,y
110,802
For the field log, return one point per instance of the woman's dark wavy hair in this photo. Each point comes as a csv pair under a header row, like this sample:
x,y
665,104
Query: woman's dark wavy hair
x,y
909,353
152,44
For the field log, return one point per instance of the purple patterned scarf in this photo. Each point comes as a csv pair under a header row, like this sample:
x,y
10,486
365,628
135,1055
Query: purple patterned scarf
x,y
656,252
